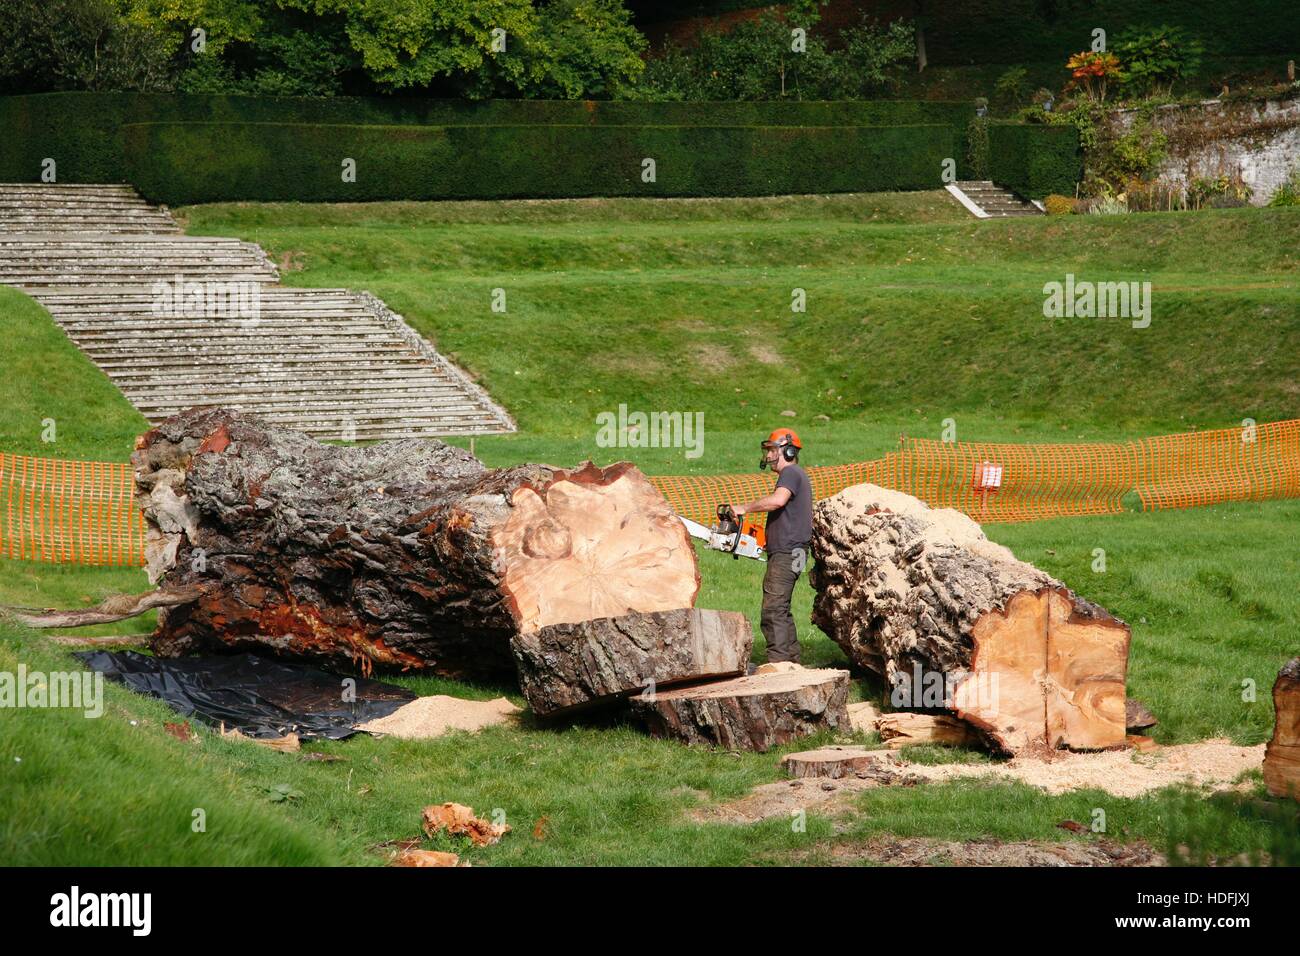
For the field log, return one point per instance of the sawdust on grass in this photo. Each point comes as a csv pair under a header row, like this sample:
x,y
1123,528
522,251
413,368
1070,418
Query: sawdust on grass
x,y
1210,764
438,714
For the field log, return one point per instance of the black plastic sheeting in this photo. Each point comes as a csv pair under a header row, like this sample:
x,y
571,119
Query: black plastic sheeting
x,y
254,695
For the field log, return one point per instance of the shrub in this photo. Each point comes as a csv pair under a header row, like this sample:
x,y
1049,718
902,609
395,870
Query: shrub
x,y
1107,206
1011,87
1288,194
1058,205
1225,191
1155,58
1092,72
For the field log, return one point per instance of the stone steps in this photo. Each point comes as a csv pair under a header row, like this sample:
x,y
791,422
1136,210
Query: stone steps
x,y
992,201
312,359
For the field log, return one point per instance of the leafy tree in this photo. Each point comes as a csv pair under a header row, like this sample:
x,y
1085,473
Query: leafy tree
x,y
757,60
874,57
1155,58
80,44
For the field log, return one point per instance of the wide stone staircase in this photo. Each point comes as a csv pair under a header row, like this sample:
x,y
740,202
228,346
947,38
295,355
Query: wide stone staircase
x,y
180,321
988,201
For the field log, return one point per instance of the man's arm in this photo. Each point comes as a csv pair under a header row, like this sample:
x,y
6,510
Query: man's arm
x,y
775,500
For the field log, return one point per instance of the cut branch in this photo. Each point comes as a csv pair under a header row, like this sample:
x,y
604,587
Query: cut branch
x,y
117,607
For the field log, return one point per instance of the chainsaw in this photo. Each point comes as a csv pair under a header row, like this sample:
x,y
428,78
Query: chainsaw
x,y
730,535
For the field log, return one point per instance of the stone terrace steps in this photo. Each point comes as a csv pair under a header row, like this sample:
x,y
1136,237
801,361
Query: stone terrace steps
x,y
334,363
995,201
79,209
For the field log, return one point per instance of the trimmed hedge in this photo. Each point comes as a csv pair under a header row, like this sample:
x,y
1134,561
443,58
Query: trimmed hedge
x,y
180,163
1035,159
83,131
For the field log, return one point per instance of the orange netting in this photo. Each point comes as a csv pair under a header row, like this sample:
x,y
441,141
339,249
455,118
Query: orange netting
x,y
83,512
78,512
1006,482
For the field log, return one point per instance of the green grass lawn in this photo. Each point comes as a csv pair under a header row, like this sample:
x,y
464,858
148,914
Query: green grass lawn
x,y
915,314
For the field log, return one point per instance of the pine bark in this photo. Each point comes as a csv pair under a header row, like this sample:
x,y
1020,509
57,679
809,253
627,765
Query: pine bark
x,y
565,667
406,554
923,598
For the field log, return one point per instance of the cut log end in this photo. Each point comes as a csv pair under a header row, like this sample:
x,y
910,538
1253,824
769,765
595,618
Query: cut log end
x,y
1045,676
593,543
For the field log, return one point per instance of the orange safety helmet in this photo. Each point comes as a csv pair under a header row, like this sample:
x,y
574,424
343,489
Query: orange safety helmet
x,y
784,439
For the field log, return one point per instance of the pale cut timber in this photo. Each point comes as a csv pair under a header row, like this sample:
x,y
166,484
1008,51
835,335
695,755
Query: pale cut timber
x,y
833,762
1282,755
565,667
404,554
904,729
593,544
914,593
757,712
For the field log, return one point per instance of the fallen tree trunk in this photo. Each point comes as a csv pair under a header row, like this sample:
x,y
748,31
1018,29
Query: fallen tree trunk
x,y
953,620
407,554
757,712
1282,755
565,667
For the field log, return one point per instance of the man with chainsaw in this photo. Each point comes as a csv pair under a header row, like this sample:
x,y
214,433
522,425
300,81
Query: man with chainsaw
x,y
789,532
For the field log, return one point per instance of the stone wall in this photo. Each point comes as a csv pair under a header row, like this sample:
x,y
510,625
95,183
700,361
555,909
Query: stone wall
x,y
1259,140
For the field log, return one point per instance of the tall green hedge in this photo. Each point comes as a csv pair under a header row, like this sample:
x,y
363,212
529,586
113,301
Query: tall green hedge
x,y
180,149
1034,159
181,163
83,132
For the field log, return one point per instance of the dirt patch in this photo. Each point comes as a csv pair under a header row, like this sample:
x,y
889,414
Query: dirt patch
x,y
713,358
291,260
785,798
922,851
438,714
765,354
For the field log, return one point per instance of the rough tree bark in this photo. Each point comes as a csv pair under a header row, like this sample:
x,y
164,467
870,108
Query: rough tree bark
x,y
911,591
757,712
407,554
564,667
1282,755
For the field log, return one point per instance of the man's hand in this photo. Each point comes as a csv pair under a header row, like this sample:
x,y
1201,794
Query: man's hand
x,y
737,510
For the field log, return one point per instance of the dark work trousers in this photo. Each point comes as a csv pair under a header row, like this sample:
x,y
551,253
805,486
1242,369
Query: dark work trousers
x,y
777,622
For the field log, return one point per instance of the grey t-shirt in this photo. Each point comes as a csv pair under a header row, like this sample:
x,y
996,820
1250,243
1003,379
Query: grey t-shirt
x,y
791,527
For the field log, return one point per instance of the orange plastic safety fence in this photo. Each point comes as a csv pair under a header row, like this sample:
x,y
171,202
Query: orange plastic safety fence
x,y
83,511
76,512
1007,482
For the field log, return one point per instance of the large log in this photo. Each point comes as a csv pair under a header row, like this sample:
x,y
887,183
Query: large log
x,y
951,619
757,712
565,667
408,554
1282,755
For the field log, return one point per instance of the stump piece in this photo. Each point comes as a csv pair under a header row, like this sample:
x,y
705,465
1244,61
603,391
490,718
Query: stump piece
x,y
833,762
749,713
1282,755
564,667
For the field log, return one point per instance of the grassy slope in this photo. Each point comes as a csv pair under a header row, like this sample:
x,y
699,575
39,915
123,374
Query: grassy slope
x,y
907,324
1209,592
